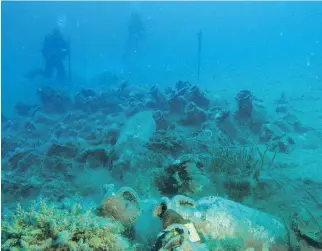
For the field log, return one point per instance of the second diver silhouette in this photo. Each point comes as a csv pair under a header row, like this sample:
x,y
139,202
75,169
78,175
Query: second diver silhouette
x,y
136,32
199,36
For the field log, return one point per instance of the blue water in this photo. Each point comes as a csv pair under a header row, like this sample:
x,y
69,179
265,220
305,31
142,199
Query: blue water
x,y
269,48
235,35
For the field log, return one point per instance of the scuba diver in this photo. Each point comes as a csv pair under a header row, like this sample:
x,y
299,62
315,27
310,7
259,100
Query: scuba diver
x,y
136,32
55,50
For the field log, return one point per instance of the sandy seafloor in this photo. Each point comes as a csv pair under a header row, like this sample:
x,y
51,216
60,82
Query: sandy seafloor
x,y
294,178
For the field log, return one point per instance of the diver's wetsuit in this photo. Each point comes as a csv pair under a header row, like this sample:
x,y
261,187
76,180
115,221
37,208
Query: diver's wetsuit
x,y
55,50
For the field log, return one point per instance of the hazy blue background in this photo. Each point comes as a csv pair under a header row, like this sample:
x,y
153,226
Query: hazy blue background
x,y
236,36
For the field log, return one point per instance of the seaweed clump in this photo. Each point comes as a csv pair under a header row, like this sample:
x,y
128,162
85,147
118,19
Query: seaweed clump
x,y
167,142
238,170
184,177
51,228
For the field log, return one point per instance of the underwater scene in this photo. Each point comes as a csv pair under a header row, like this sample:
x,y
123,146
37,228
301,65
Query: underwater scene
x,y
147,126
